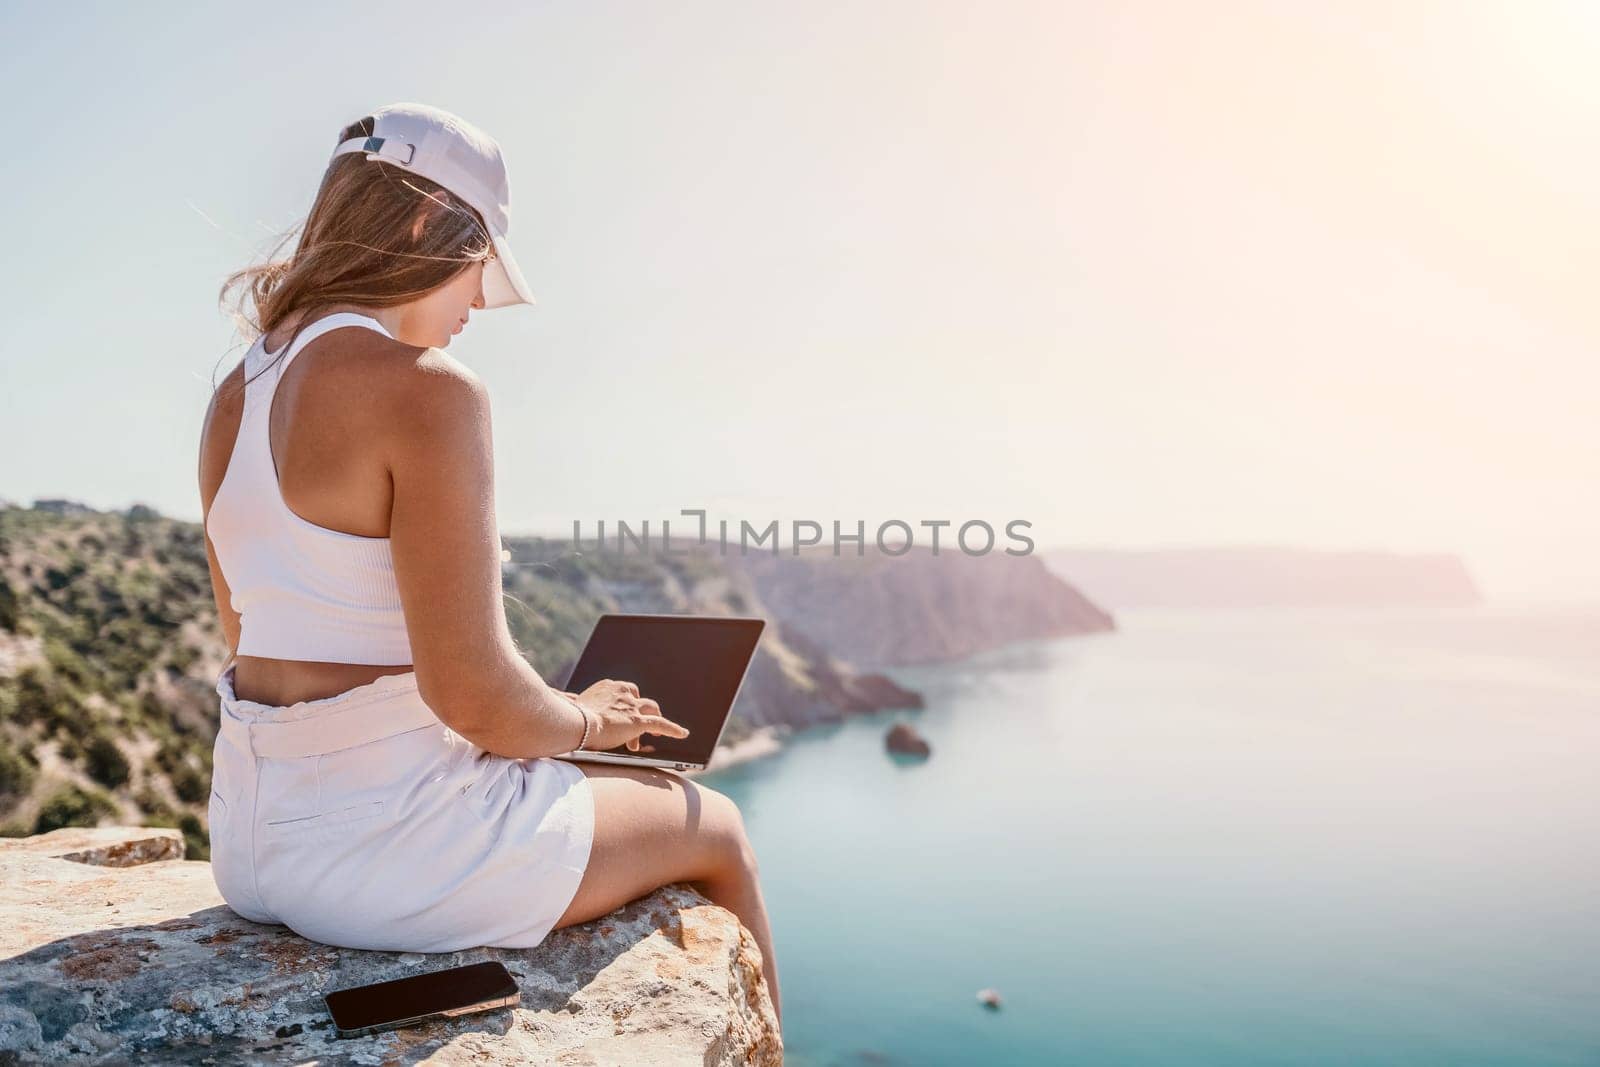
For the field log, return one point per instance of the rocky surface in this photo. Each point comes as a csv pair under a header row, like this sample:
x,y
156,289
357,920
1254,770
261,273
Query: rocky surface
x,y
102,846
145,963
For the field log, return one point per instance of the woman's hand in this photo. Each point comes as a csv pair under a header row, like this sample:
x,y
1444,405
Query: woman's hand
x,y
620,715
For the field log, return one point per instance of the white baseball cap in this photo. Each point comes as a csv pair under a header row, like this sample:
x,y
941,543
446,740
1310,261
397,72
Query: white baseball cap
x,y
451,151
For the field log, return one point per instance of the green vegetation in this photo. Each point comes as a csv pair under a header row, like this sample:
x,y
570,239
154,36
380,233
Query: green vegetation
x,y
96,605
17,771
10,606
71,806
104,760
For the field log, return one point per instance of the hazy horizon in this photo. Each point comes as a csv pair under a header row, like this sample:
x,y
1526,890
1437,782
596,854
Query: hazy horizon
x,y
1147,276
614,537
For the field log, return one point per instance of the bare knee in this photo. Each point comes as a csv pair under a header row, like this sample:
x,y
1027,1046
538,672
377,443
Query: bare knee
x,y
655,826
728,844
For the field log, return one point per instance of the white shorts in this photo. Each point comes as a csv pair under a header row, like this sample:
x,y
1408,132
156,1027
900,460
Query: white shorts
x,y
362,821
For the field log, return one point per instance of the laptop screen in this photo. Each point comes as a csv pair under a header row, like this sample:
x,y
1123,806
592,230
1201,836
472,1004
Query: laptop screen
x,y
691,665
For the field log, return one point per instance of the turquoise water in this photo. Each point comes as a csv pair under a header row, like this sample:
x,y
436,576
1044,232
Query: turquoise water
x,y
1321,837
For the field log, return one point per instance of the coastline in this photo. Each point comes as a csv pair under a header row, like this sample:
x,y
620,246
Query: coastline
x,y
764,742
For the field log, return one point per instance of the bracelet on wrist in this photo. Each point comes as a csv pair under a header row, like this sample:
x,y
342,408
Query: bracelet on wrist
x,y
585,715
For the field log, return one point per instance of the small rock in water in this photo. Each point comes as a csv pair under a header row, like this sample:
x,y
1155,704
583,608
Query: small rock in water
x,y
989,998
903,738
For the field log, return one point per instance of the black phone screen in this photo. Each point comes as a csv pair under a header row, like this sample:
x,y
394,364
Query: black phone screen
x,y
421,995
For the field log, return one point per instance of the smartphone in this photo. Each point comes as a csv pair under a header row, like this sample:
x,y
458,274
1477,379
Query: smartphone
x,y
367,1009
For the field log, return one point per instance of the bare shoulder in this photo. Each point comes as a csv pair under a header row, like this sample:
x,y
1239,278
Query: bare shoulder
x,y
426,401
434,367
430,383
402,380
227,399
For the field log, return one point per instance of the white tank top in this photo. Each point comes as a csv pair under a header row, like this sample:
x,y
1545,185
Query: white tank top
x,y
302,591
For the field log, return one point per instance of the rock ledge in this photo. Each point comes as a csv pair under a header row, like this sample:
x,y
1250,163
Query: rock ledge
x,y
129,954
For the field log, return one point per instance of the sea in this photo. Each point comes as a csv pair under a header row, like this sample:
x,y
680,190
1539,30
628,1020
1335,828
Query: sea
x,y
1288,836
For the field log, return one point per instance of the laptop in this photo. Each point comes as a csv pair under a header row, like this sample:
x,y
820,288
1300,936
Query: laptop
x,y
692,665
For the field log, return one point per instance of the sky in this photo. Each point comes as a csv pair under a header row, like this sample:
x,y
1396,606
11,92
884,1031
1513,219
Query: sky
x,y
1139,274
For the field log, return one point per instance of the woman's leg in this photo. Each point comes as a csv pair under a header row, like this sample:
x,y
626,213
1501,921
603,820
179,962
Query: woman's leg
x,y
653,827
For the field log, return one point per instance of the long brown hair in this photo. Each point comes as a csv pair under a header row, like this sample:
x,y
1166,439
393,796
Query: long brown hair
x,y
376,236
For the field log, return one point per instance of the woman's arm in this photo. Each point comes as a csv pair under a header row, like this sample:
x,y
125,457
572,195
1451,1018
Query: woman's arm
x,y
214,454
446,547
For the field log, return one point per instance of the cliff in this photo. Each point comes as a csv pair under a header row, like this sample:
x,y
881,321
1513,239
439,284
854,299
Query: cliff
x,y
1252,577
876,610
114,950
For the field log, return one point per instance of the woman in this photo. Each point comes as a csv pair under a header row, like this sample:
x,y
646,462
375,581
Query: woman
x,y
383,775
